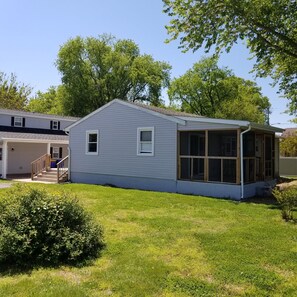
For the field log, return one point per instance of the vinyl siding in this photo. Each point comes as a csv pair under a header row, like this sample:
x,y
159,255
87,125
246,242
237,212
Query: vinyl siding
x,y
117,125
31,122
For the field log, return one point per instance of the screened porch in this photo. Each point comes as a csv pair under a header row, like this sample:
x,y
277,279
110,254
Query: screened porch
x,y
214,156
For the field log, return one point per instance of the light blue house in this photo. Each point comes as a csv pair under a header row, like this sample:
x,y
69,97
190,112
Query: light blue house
x,y
137,146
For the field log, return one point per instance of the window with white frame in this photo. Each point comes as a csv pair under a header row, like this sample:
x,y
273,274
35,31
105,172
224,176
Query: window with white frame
x,y
92,138
56,153
18,121
145,141
55,125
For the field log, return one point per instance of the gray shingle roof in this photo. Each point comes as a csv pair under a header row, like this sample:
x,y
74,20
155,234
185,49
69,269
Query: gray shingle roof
x,y
27,113
33,136
168,112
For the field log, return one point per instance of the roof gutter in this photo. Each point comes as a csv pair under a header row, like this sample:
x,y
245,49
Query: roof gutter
x,y
241,161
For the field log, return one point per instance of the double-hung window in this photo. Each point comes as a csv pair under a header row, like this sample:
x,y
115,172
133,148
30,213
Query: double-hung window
x,y
18,121
55,125
145,141
92,140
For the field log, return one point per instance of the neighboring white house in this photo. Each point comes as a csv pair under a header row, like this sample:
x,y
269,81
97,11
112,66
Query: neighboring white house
x,y
137,146
26,136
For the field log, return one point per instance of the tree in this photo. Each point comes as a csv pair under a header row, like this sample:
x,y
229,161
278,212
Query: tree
x,y
98,70
208,90
269,28
49,102
13,95
288,146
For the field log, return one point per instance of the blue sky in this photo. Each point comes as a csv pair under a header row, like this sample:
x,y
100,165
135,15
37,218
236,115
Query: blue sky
x,y
32,32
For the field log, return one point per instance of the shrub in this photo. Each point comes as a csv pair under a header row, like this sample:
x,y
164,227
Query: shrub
x,y
287,198
41,228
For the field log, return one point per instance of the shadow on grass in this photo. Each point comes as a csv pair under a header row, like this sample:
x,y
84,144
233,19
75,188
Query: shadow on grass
x,y
269,201
13,269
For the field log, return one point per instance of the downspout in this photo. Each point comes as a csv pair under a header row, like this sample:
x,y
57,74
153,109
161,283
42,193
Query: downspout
x,y
241,161
69,158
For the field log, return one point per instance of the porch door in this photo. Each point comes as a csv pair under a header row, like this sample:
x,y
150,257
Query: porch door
x,y
259,151
197,148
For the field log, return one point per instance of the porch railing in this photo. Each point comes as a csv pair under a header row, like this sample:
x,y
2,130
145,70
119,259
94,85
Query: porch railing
x,y
62,170
41,164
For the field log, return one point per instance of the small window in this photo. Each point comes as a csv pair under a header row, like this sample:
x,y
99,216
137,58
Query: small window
x,y
92,142
56,153
18,121
55,125
145,141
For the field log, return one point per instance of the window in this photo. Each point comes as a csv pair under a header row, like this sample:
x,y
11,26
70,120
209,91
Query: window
x,y
18,121
56,152
55,125
145,141
92,142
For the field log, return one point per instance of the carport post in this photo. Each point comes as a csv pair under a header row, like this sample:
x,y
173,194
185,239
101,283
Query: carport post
x,y
4,159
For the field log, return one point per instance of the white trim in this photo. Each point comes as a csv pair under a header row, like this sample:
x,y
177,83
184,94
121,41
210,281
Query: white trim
x,y
170,118
139,130
35,140
237,123
241,162
88,132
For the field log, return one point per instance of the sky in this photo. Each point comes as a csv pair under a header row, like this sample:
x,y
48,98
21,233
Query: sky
x,y
32,31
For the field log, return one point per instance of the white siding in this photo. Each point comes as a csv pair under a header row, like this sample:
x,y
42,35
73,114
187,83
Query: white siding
x,y
117,126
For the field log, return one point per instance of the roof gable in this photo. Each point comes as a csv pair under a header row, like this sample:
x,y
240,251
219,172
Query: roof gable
x,y
140,107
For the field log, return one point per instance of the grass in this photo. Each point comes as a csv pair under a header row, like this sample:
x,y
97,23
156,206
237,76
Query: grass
x,y
161,244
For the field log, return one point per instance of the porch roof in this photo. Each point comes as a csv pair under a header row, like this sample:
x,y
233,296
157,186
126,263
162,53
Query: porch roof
x,y
234,123
32,137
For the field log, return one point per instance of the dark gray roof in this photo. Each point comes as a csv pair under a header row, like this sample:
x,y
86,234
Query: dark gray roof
x,y
33,136
44,115
167,111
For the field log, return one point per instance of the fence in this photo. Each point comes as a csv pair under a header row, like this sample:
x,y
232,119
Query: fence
x,y
288,166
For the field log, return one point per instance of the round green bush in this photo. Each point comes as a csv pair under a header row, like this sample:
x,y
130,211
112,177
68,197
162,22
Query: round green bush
x,y
42,228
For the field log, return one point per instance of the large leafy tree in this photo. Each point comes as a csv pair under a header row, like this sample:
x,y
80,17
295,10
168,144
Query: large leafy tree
x,y
13,94
208,90
97,70
268,26
50,102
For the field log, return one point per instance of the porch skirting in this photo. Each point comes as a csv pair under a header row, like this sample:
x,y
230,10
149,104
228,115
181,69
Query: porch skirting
x,y
219,190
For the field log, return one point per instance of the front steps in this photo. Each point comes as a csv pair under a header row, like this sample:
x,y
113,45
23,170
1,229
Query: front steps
x,y
47,176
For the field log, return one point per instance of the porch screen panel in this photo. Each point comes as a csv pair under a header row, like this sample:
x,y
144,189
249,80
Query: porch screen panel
x,y
214,170
229,171
222,143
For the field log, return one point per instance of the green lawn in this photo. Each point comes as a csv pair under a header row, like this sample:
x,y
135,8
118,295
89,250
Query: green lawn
x,y
161,244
